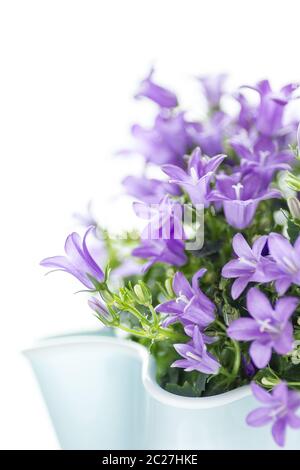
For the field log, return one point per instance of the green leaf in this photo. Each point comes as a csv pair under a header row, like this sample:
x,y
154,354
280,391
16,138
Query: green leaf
x,y
293,230
185,390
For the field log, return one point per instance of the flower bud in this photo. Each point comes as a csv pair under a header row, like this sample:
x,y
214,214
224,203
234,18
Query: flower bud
x,y
293,181
142,294
269,381
101,311
169,288
294,207
295,354
106,296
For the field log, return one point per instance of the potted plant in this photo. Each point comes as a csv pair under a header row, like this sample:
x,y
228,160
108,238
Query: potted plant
x,y
211,288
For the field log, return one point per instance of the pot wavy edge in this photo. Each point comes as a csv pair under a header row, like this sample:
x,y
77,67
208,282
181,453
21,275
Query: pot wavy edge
x,y
148,371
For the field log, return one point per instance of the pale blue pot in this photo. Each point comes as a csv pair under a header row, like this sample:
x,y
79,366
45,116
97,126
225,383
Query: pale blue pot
x,y
101,393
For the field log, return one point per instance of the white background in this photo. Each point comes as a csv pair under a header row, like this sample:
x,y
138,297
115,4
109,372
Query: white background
x,y
68,70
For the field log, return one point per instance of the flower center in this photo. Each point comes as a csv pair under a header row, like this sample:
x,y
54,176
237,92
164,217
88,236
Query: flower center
x,y
182,298
263,154
237,189
266,327
280,411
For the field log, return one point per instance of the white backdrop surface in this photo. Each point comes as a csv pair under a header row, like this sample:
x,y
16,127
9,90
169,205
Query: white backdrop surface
x,y
68,70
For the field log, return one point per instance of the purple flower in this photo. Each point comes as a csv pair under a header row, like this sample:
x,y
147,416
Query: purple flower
x,y
196,356
78,260
213,87
165,219
263,157
279,408
100,309
248,266
195,181
268,328
161,251
271,108
191,306
241,195
211,135
247,114
163,97
167,141
248,366
285,269
149,190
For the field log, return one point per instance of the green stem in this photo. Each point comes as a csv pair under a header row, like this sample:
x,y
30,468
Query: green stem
x,y
237,359
137,314
172,335
154,315
141,334
220,324
294,384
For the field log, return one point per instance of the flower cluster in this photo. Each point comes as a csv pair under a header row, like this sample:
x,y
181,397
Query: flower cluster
x,y
243,324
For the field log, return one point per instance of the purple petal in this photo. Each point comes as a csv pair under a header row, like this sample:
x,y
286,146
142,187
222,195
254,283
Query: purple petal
x,y
182,363
279,245
243,329
260,353
237,268
259,417
239,214
198,340
259,245
278,431
293,421
241,247
196,277
284,342
239,286
261,394
258,304
171,306
283,284
181,286
176,173
285,308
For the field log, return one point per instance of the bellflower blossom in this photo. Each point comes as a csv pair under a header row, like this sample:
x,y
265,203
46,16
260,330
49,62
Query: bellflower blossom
x,y
270,112
268,328
191,306
162,238
79,261
195,181
213,88
160,95
262,157
196,356
240,196
210,136
198,319
161,251
248,266
100,309
279,409
164,219
247,115
285,269
149,190
167,141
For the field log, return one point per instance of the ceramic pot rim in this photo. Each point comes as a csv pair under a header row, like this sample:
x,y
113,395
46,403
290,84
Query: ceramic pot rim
x,y
148,370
